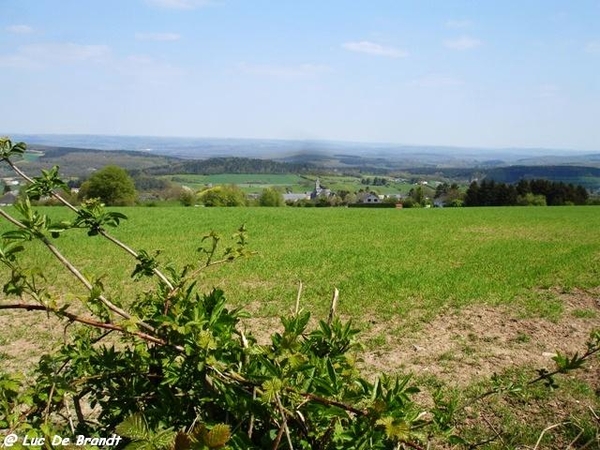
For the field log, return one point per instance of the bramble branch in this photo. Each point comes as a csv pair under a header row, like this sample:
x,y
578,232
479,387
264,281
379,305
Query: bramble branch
x,y
84,320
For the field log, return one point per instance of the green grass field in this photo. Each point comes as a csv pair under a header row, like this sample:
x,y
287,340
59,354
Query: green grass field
x,y
385,262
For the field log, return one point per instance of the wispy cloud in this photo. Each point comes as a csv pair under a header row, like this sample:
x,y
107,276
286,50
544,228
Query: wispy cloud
x,y
46,54
148,70
372,48
18,62
592,47
181,4
67,52
160,37
462,43
454,24
19,29
548,90
297,71
436,80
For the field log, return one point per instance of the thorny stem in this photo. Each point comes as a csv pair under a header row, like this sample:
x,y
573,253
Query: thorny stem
x,y
11,219
87,321
31,180
133,253
284,424
115,241
278,438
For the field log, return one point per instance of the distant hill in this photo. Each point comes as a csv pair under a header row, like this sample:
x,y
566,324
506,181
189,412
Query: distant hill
x,y
170,156
325,153
78,162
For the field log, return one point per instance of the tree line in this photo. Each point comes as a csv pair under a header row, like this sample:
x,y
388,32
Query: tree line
x,y
525,192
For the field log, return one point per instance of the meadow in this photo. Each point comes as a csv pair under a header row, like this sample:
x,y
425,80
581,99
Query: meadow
x,y
387,263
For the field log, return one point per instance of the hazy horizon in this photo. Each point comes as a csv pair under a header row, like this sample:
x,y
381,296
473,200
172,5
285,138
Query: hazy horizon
x,y
449,73
137,142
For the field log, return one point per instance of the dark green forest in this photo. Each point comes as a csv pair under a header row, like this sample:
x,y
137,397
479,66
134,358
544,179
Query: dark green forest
x,y
525,192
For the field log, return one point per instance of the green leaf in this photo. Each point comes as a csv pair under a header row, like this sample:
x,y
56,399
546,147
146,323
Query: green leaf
x,y
395,429
8,149
45,185
146,265
332,374
134,427
218,436
271,388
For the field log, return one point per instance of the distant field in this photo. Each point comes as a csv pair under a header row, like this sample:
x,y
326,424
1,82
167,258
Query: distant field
x,y
295,183
386,263
253,182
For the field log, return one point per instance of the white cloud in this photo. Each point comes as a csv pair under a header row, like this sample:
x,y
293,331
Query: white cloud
x,y
19,29
436,81
161,37
593,47
458,23
372,48
462,43
285,71
180,4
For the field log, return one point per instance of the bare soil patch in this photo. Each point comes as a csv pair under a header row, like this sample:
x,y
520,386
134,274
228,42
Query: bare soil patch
x,y
478,341
25,336
457,347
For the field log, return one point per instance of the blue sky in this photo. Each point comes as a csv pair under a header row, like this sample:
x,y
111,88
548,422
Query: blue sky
x,y
440,72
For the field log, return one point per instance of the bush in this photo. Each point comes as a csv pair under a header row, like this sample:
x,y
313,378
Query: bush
x,y
530,199
187,197
225,195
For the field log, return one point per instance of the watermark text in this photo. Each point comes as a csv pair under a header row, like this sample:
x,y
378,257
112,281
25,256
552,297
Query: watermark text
x,y
59,441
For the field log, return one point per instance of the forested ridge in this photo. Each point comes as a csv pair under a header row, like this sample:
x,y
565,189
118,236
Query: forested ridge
x,y
230,165
565,173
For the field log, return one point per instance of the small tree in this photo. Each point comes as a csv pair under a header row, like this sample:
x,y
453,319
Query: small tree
x,y
112,185
271,197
